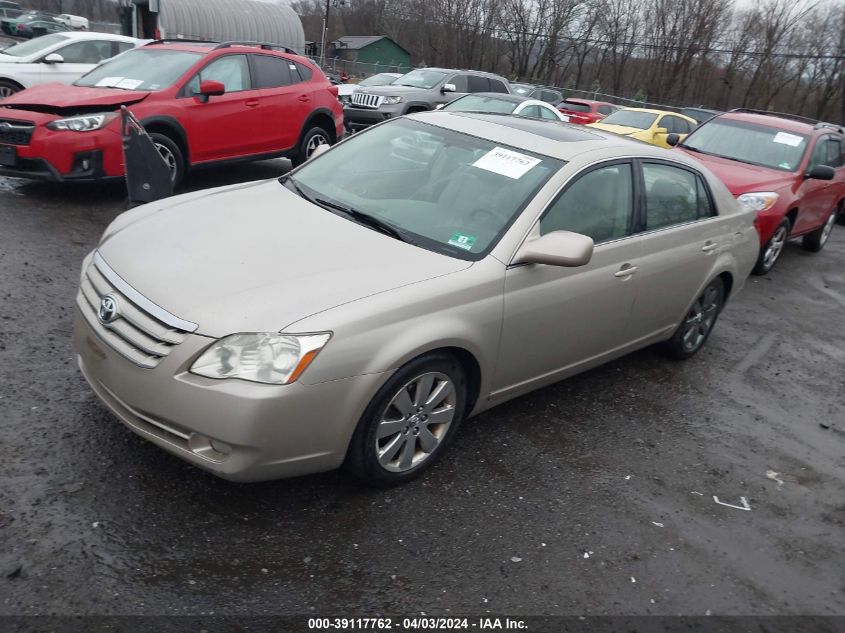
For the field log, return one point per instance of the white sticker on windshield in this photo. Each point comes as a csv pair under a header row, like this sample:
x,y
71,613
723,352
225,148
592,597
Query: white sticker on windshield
x,y
129,84
108,81
787,139
506,162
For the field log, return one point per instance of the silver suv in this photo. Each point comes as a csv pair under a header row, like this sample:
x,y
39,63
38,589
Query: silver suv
x,y
419,90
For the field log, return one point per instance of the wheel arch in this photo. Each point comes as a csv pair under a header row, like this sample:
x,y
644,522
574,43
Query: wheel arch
x,y
13,81
172,128
322,117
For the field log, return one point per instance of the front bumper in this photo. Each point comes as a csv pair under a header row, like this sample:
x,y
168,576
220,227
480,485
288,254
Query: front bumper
x,y
266,431
356,118
53,156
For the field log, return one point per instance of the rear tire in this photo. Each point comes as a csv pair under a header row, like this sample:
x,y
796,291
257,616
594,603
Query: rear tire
x,y
771,251
815,241
172,155
409,422
698,323
8,88
312,138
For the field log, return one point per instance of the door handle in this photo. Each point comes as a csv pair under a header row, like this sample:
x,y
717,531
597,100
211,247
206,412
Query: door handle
x,y
709,247
304,98
626,271
252,103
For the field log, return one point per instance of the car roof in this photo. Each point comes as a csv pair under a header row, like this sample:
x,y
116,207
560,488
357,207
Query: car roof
x,y
89,35
458,70
770,120
502,96
555,139
211,47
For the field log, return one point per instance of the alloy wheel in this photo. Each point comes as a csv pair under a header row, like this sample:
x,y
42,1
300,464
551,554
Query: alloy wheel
x,y
828,227
6,91
415,422
168,157
313,143
775,247
700,319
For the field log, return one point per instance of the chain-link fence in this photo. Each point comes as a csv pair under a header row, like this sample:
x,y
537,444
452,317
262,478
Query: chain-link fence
x,y
358,70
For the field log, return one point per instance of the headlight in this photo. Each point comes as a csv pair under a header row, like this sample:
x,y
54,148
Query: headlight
x,y
87,123
345,99
758,200
275,359
392,100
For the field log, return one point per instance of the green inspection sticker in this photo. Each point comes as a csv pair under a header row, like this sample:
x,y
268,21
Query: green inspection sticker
x,y
460,240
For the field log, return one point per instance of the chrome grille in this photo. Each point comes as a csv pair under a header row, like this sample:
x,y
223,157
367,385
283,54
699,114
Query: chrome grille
x,y
366,100
135,333
16,132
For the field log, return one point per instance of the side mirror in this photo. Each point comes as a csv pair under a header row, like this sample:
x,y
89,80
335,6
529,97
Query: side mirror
x,y
661,130
54,58
558,248
673,139
210,88
440,106
448,88
821,172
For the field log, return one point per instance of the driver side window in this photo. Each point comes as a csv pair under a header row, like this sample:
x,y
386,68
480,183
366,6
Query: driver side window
x,y
598,204
232,71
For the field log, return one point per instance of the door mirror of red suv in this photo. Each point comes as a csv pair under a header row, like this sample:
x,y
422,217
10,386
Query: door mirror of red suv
x,y
210,88
821,172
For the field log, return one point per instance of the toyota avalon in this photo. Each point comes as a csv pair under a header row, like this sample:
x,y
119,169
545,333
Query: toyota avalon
x,y
356,311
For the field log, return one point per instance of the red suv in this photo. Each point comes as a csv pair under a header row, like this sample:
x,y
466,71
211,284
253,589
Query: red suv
x,y
790,169
584,111
201,103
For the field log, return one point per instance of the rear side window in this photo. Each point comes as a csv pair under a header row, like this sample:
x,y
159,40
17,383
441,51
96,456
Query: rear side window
x,y
598,204
532,112
674,195
545,113
498,86
478,84
272,72
305,73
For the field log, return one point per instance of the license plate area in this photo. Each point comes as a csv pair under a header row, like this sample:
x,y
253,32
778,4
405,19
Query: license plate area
x,y
8,155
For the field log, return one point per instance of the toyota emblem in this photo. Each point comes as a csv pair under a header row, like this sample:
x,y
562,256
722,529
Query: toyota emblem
x,y
108,310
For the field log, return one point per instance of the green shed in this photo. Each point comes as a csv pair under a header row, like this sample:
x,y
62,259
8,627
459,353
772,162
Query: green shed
x,y
373,50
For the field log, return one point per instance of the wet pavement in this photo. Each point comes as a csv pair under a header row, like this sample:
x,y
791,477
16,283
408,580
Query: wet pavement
x,y
592,496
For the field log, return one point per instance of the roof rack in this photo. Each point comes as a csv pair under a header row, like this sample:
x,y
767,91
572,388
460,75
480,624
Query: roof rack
x,y
782,115
262,45
176,40
832,126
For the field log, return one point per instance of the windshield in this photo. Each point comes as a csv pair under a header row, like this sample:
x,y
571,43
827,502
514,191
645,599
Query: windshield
x,y
477,103
421,79
377,80
445,191
749,143
141,69
630,118
35,46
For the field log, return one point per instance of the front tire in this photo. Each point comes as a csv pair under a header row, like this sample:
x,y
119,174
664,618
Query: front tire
x,y
409,422
697,325
815,241
772,250
172,155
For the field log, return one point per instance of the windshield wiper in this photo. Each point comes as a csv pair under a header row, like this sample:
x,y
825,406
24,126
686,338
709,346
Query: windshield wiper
x,y
366,219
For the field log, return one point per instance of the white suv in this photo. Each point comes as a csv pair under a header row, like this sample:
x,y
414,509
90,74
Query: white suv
x,y
62,57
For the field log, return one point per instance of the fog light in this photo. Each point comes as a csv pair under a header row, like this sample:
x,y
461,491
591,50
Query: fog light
x,y
207,448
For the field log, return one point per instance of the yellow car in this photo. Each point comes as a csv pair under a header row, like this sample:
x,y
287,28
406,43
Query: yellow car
x,y
651,126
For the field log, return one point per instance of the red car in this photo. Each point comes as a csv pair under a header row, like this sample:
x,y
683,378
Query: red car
x,y
584,111
790,169
202,103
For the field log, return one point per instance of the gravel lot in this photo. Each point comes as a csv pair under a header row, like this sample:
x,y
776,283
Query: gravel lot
x,y
593,496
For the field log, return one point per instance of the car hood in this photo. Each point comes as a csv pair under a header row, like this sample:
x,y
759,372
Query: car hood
x,y
393,89
617,129
257,257
60,97
742,178
11,59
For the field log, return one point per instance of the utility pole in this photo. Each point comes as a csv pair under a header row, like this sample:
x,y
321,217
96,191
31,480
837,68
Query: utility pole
x,y
325,35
